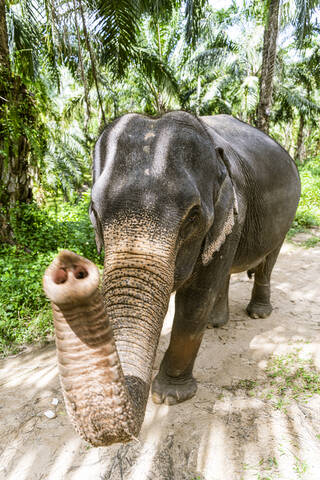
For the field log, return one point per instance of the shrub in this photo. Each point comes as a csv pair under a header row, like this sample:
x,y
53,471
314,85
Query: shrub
x,y
39,233
308,213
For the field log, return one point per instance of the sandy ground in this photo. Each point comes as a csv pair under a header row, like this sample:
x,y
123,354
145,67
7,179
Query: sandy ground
x,y
226,432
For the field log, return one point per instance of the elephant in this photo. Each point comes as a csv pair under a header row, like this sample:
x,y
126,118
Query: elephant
x,y
179,203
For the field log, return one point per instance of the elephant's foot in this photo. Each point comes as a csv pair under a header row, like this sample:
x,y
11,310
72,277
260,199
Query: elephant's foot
x,y
259,310
218,319
172,390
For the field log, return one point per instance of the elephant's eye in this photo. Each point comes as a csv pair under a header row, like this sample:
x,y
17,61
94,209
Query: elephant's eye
x,y
193,215
190,222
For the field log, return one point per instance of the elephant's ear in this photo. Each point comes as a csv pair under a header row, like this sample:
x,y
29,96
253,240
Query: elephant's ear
x,y
225,211
97,228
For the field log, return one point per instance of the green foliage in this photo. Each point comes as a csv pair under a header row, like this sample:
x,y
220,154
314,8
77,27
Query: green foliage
x,y
308,213
21,117
66,161
39,235
312,242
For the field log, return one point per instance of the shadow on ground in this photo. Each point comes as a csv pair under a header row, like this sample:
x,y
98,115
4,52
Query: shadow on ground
x,y
228,431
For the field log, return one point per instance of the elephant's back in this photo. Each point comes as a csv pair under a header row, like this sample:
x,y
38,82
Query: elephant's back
x,y
266,179
247,140
266,158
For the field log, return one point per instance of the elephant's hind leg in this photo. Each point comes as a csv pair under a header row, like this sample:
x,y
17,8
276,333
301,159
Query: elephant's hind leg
x,y
220,312
260,306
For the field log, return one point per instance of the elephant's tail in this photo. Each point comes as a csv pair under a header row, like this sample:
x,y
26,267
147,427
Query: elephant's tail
x,y
250,273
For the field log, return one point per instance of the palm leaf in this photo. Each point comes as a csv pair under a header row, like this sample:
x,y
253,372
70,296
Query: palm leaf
x,y
194,11
303,21
154,66
116,22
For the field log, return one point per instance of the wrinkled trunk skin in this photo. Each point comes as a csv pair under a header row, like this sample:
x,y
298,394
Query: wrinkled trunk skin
x,y
105,361
137,283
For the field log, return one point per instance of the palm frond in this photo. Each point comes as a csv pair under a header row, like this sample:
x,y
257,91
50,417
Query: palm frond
x,y
215,51
116,22
67,162
158,9
31,41
303,21
291,99
194,11
154,66
72,106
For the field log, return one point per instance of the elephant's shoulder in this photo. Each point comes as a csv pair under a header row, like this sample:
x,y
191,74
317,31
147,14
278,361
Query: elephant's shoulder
x,y
244,138
226,124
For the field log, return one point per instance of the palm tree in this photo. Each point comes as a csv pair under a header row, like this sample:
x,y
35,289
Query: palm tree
x,y
24,98
156,75
220,76
14,146
302,22
295,96
268,63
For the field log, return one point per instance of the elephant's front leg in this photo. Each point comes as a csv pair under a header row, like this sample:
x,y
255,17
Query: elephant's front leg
x,y
193,308
174,383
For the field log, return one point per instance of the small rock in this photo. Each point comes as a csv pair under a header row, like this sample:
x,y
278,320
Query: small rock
x,y
50,414
55,401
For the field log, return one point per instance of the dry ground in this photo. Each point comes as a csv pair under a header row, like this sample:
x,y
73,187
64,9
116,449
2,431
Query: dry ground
x,y
229,431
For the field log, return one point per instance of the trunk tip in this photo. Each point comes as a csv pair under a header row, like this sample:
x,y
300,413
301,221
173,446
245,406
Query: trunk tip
x,y
70,278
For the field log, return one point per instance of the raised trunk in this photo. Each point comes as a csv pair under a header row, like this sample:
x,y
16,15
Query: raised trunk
x,y
106,365
268,63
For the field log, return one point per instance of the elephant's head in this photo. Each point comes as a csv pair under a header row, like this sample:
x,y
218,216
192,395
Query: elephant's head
x,y
162,203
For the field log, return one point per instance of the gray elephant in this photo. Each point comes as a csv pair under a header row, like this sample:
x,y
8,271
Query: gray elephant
x,y
179,203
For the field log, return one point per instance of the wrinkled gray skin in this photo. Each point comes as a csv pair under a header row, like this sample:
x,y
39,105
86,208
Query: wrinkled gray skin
x,y
178,204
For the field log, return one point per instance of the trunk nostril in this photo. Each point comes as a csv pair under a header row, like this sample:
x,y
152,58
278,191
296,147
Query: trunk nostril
x,y
60,276
80,272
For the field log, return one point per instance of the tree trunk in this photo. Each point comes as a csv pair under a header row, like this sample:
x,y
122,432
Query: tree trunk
x,y
15,181
267,68
4,49
300,138
83,76
93,63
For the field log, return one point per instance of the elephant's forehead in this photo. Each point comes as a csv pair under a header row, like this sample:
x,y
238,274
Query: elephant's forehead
x,y
146,145
151,161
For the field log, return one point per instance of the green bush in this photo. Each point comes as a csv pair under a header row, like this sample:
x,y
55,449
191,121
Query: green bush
x,y
308,213
39,234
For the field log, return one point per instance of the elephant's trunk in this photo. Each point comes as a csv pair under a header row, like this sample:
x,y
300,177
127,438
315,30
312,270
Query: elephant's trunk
x,y
106,382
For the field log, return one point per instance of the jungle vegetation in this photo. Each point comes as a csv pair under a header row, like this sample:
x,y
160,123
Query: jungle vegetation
x,y
68,67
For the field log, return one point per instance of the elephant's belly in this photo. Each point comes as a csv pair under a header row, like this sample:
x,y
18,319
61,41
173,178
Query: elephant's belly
x,y
247,260
243,267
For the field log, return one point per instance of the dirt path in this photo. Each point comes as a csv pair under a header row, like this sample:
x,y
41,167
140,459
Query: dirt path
x,y
231,430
